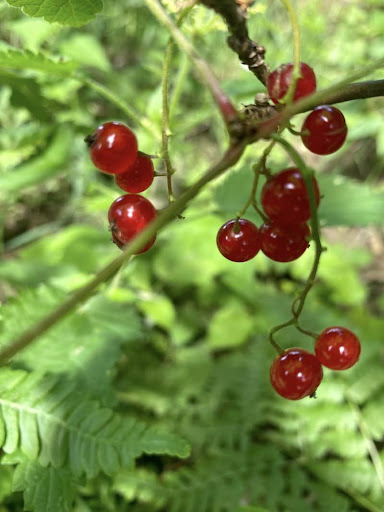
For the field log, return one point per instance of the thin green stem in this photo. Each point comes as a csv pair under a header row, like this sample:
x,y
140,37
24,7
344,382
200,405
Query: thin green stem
x,y
307,175
288,98
207,77
179,84
27,337
165,91
121,104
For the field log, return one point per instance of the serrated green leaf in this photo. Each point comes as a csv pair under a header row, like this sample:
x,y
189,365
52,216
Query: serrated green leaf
x,y
44,489
16,59
87,438
66,12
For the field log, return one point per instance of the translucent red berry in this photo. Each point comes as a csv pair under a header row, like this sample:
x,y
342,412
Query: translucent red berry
x,y
139,177
337,348
283,243
113,147
296,374
324,130
280,79
238,240
284,197
128,215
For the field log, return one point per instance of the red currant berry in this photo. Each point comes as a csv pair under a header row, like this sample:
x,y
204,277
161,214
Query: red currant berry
x,y
139,177
296,374
112,147
324,130
280,79
238,240
283,243
284,197
337,348
128,215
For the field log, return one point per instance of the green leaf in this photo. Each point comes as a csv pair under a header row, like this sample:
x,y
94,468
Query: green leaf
x,y
44,489
39,168
86,50
230,326
16,59
66,12
26,93
52,422
349,203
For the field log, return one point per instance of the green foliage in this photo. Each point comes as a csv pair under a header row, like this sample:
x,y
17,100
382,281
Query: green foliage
x,y
154,395
74,13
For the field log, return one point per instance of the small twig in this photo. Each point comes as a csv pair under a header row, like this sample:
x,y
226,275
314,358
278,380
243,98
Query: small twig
x,y
250,53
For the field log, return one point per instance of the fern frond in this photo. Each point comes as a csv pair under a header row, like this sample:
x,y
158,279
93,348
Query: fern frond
x,y
55,424
44,489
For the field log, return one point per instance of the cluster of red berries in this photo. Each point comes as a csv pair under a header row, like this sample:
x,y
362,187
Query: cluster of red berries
x,y
296,373
284,236
113,149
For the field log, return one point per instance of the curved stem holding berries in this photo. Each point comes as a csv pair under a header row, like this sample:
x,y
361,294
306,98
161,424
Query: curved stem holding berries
x,y
229,159
207,77
299,302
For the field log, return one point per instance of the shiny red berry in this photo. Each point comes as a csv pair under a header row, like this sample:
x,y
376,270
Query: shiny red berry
x,y
283,243
324,130
128,215
238,240
296,374
284,197
337,348
279,80
139,177
113,147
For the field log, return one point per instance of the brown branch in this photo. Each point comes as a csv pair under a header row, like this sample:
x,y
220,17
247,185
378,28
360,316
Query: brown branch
x,y
250,53
357,91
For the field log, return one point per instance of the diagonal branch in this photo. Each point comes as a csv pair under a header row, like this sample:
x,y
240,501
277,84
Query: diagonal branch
x,y
250,53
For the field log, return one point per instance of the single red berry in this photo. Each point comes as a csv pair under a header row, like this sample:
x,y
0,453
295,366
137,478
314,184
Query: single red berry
x,y
280,79
296,374
284,197
283,243
128,215
139,177
324,130
112,147
238,240
337,348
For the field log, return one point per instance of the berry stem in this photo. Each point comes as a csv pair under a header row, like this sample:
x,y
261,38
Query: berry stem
x,y
229,159
207,77
299,302
165,118
288,98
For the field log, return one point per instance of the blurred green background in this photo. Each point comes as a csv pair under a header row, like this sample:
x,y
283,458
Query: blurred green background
x,y
179,336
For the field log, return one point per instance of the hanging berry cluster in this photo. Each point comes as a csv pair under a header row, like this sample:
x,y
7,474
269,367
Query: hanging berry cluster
x,y
284,236
113,149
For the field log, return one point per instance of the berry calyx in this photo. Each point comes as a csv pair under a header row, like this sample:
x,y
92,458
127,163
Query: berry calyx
x,y
112,147
283,243
128,215
337,348
296,374
280,79
139,177
324,130
238,240
284,197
